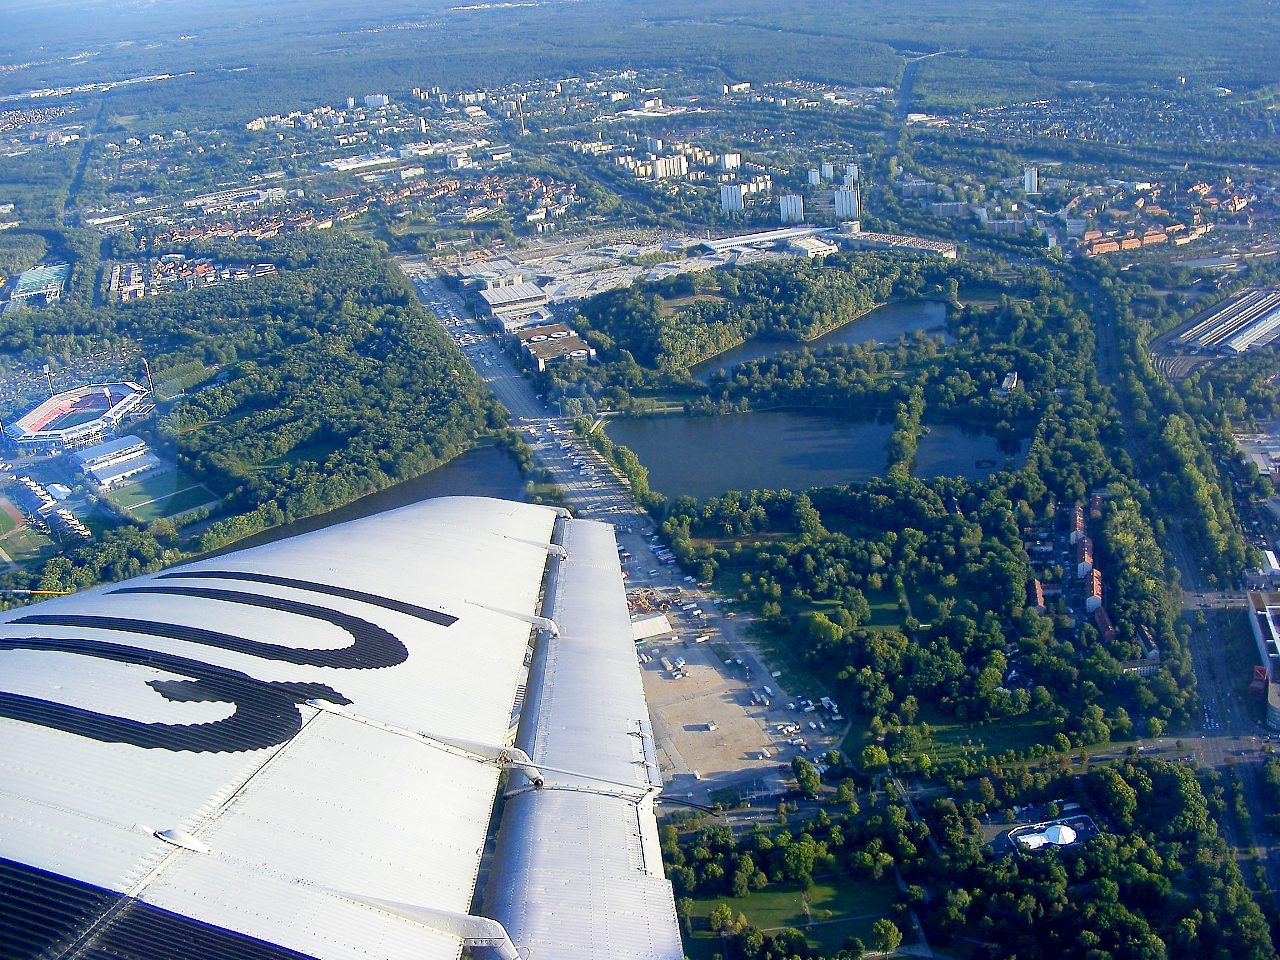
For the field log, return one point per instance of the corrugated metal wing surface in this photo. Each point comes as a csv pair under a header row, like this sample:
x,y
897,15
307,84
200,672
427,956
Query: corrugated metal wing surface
x,y
578,871
268,708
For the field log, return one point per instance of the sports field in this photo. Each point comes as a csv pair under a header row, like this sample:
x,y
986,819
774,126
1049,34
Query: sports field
x,y
184,501
25,543
10,516
162,495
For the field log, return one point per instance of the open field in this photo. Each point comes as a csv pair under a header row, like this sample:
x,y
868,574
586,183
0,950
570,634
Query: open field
x,y
839,908
162,495
10,517
25,543
152,487
184,501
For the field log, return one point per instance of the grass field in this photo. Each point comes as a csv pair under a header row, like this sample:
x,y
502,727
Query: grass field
x,y
181,502
953,739
162,496
839,908
7,522
151,488
313,452
25,543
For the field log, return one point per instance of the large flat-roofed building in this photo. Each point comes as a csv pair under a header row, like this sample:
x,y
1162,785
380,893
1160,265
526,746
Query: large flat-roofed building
x,y
1264,613
111,463
293,752
553,343
812,247
1250,320
513,302
109,453
114,474
76,418
41,285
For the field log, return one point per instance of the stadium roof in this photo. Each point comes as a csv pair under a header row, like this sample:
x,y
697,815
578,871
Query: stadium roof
x,y
293,751
763,237
60,418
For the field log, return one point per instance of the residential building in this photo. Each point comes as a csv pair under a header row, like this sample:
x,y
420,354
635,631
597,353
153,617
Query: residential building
x,y
666,167
1084,557
731,197
791,208
1093,591
847,202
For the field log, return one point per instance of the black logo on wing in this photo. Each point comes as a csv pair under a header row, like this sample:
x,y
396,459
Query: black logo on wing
x,y
372,646
266,713
327,589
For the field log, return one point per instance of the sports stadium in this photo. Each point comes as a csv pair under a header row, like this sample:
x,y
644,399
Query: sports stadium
x,y
75,418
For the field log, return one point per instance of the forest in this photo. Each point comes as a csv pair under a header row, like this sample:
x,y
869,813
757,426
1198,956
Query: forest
x,y
323,384
996,48
972,648
1157,880
650,334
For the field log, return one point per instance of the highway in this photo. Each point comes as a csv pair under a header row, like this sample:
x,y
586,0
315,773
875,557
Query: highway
x,y
595,492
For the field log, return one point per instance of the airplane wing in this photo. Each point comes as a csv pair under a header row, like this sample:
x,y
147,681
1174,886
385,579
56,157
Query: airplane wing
x,y
290,751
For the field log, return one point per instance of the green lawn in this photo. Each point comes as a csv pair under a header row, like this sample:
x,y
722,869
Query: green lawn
x,y
166,495
839,908
953,739
151,488
314,452
7,523
885,611
181,502
26,543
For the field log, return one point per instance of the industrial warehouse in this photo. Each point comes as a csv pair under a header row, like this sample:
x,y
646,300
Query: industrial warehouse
x,y
1249,320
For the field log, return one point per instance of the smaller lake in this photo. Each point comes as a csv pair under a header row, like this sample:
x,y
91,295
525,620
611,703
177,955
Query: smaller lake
x,y
483,472
707,456
883,325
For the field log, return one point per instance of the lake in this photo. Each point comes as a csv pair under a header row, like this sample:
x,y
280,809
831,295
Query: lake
x,y
883,325
483,472
707,456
